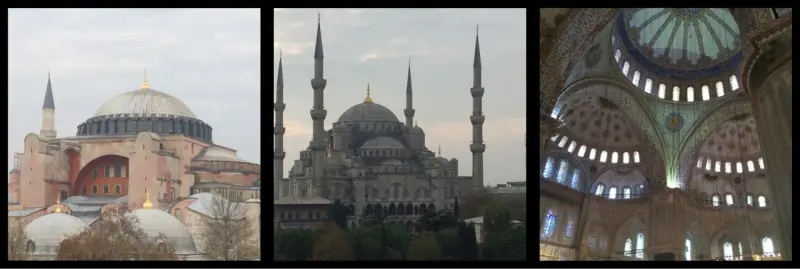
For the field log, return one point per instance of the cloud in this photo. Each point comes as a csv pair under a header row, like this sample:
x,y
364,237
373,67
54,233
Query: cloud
x,y
369,56
297,129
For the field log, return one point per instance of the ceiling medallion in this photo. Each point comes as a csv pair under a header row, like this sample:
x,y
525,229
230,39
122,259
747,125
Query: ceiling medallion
x,y
674,122
688,13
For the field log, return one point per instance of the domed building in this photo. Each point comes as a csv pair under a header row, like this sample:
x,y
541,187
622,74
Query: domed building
x,y
46,233
665,134
138,142
369,160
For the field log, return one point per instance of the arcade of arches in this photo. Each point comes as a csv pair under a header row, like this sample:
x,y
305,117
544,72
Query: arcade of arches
x,y
665,134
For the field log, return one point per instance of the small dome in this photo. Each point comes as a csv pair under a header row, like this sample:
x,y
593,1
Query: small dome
x,y
145,102
443,162
367,112
48,231
155,222
453,160
383,142
416,130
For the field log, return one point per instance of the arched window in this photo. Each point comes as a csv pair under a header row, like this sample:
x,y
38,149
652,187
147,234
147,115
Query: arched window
x,y
700,162
105,189
690,94
603,156
562,172
628,247
749,200
762,201
662,91
612,193
741,252
83,190
626,193
734,83
635,79
729,199
549,224
727,167
720,89
625,157
727,250
705,93
640,245
582,151
572,146
568,231
688,253
599,190
761,163
617,55
708,164
676,94
750,166
592,241
117,189
767,247
625,68
718,166
94,173
548,168
554,138
562,142
738,167
614,157
715,200
63,195
94,189
576,179
648,85
30,247
636,157
591,154
556,111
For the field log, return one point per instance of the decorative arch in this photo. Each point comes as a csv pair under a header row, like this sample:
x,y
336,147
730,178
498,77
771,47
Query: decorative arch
x,y
84,176
630,228
573,162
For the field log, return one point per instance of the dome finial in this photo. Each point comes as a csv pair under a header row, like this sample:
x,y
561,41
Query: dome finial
x,y
144,85
58,204
368,99
147,204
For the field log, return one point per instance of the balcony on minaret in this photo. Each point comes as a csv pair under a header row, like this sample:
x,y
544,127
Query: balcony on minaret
x,y
477,147
477,119
318,114
476,92
318,83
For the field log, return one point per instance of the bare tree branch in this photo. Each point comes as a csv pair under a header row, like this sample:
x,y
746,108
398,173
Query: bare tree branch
x,y
228,233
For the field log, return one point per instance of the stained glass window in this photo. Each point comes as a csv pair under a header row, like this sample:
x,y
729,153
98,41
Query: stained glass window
x,y
734,83
761,163
617,55
648,85
549,224
612,193
749,199
635,78
690,94
568,232
582,151
715,200
591,154
599,190
592,241
636,157
556,111
718,166
729,199
625,157
628,247
554,138
741,252
676,94
626,193
688,253
625,68
548,168
640,245
576,179
720,89
603,243
727,167
562,142
727,250
662,91
750,166
767,247
762,201
562,172
572,146
603,156
705,93
699,162
614,157
708,164
738,167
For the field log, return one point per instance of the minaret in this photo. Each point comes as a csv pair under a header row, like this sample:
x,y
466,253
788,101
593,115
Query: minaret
x,y
318,113
477,147
48,113
279,131
409,111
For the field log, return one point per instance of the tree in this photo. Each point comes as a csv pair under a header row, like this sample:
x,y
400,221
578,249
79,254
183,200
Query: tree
x,y
332,245
474,203
227,232
437,221
294,244
338,214
448,241
467,243
506,246
116,236
17,241
424,248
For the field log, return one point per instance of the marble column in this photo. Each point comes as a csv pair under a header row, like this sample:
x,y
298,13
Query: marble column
x,y
771,90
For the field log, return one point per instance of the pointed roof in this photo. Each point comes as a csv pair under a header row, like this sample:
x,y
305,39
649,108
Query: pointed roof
x,y
477,60
48,95
318,47
408,83
280,71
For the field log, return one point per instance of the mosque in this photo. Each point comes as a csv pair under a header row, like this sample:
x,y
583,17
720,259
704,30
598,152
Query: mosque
x,y
369,160
665,134
139,143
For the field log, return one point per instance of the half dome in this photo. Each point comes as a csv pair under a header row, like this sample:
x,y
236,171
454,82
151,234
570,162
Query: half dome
x,y
383,142
369,112
145,102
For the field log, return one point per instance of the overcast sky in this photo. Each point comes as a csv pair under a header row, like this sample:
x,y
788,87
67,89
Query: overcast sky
x,y
209,58
374,45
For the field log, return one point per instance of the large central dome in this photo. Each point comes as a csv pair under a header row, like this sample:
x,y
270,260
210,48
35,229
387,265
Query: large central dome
x,y
367,111
145,102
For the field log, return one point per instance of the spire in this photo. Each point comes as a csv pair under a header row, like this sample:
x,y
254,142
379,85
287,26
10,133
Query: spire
x,y
368,99
477,60
144,84
280,70
318,47
48,95
58,204
147,204
408,82
440,150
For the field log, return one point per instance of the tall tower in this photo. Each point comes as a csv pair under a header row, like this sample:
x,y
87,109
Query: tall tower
x,y
48,113
477,147
409,111
279,131
318,113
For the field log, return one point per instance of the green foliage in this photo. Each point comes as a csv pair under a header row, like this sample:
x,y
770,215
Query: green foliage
x,y
294,244
467,243
506,246
332,245
437,221
338,214
424,248
448,239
